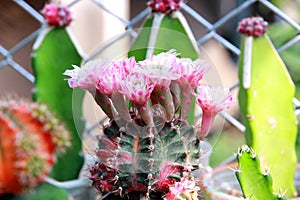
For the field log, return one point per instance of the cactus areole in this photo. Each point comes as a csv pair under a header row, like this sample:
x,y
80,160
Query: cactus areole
x,y
29,137
148,149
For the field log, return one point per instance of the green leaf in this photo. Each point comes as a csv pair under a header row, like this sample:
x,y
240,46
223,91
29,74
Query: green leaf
x,y
53,53
268,112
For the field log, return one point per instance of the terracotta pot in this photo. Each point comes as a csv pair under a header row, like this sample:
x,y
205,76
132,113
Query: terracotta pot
x,y
222,184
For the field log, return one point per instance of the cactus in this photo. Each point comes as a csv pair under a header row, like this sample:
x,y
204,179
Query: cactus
x,y
142,159
164,29
147,149
29,138
255,184
265,98
53,50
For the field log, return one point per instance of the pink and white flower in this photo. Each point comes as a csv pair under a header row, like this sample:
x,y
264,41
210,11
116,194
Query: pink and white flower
x,y
137,88
159,68
185,189
87,76
112,76
190,72
212,100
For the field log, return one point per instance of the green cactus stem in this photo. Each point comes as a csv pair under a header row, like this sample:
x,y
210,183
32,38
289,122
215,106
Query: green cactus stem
x,y
255,184
53,52
163,32
267,109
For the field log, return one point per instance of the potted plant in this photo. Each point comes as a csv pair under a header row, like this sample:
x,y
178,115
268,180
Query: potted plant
x,y
148,149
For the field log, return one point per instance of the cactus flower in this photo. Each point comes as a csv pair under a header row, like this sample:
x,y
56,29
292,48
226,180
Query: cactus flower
x,y
138,88
212,100
87,76
56,15
185,189
190,72
159,68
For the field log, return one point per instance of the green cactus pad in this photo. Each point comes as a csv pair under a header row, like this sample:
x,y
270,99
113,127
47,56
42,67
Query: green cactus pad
x,y
53,53
255,184
268,113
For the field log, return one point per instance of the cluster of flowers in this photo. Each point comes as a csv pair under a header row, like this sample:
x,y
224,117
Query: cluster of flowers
x,y
252,26
164,6
56,15
162,79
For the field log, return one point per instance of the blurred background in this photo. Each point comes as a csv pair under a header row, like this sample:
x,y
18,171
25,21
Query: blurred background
x,y
93,26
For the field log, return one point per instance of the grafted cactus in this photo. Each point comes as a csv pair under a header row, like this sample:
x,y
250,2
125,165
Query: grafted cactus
x,y
29,138
148,149
53,50
265,97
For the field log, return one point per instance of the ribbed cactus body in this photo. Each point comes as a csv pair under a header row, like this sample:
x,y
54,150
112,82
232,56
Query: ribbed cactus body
x,y
139,157
29,138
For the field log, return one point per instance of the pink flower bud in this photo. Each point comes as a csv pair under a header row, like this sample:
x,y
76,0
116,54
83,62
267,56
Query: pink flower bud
x,y
56,15
252,26
164,6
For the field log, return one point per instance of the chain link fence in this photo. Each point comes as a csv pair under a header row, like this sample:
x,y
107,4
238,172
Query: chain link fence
x,y
211,31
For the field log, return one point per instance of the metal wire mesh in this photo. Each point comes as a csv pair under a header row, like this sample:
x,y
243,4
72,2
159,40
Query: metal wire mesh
x,y
211,33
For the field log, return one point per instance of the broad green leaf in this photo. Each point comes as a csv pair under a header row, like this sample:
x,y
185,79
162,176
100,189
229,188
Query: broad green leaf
x,y
53,55
268,112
